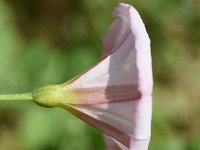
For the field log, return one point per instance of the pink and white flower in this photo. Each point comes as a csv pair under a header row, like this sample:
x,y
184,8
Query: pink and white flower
x,y
115,96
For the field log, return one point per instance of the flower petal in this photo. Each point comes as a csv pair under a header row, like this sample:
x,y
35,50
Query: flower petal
x,y
118,31
112,144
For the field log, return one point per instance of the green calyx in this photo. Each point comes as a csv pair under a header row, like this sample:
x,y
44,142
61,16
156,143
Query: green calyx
x,y
48,96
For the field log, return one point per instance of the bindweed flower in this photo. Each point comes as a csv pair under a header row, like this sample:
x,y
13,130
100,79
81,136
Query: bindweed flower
x,y
114,96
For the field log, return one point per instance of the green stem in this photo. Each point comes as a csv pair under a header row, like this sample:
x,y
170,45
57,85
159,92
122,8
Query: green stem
x,y
16,97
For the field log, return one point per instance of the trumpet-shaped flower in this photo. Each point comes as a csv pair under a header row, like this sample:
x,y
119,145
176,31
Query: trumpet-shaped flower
x,y
114,96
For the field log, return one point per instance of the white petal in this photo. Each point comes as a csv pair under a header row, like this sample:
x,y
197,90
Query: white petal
x,y
118,31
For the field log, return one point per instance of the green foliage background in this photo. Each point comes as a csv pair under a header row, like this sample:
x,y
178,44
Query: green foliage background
x,y
46,42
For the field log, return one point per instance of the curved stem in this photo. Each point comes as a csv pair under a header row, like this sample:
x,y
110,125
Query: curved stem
x,y
16,97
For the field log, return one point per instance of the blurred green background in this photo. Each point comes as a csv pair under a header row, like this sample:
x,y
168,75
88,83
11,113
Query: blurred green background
x,y
50,41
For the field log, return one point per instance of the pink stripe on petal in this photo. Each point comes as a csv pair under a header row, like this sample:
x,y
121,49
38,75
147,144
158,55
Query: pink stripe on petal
x,y
101,95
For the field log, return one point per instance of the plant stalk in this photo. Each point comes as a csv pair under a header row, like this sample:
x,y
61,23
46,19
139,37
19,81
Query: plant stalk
x,y
16,97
